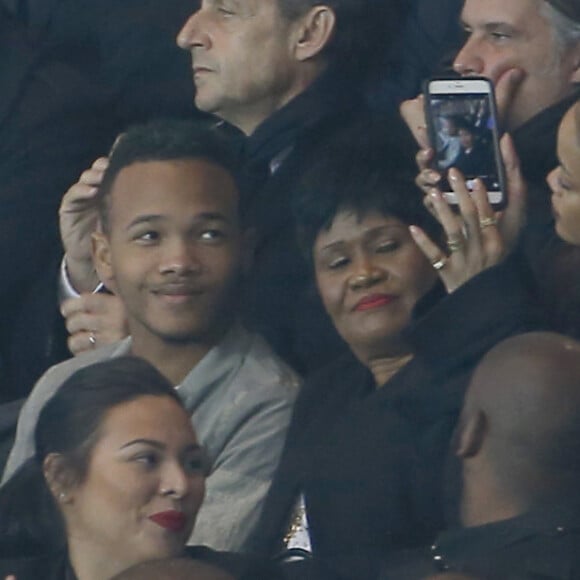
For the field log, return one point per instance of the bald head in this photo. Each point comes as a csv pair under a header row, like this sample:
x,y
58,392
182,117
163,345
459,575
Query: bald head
x,y
521,417
174,569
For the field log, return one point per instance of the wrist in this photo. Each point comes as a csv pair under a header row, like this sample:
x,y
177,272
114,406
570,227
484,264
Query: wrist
x,y
81,274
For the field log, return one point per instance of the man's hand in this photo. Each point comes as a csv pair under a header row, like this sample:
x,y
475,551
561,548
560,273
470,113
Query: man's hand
x,y
413,113
78,220
94,320
506,88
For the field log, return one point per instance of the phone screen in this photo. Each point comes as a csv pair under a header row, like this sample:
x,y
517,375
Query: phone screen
x,y
464,135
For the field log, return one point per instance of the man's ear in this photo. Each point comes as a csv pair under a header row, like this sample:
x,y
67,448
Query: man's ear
x,y
470,434
58,478
314,32
102,259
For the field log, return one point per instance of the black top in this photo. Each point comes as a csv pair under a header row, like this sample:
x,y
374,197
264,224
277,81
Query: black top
x,y
543,543
280,300
57,567
370,460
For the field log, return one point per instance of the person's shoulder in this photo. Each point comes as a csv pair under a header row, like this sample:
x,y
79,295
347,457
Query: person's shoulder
x,y
58,373
263,370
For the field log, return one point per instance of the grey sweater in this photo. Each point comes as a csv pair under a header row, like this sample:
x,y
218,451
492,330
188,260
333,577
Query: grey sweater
x,y
240,396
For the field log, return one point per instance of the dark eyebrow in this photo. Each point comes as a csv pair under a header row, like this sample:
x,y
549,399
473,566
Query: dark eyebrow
x,y
370,233
332,246
150,442
494,26
202,217
158,444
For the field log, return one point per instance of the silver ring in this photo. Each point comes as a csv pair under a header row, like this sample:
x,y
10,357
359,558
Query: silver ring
x,y
92,339
487,222
439,264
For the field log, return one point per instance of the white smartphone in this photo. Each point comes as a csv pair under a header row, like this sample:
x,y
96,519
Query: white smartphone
x,y
462,124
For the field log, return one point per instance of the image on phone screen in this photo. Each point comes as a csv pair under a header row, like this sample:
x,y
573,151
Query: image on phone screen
x,y
463,127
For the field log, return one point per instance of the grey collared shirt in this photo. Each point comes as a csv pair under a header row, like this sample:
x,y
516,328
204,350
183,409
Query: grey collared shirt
x,y
240,396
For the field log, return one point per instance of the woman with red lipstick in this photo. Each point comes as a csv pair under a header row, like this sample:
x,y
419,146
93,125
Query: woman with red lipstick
x,y
361,474
117,479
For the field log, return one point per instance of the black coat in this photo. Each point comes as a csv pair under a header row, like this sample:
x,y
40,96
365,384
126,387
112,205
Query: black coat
x,y
56,566
74,73
542,543
370,461
52,125
281,301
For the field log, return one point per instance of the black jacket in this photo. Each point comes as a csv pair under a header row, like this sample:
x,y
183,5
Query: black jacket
x,y
370,461
57,567
543,543
280,301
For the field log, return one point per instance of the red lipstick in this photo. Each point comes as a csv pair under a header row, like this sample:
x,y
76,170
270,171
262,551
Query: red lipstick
x,y
171,520
374,301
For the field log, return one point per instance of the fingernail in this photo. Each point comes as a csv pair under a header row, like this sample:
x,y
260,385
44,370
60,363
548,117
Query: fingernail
x,y
433,176
102,163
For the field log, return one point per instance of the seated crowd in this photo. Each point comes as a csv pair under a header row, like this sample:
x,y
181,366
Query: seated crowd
x,y
276,351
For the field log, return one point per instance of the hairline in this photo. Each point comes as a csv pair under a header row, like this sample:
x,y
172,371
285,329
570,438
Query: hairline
x,y
105,201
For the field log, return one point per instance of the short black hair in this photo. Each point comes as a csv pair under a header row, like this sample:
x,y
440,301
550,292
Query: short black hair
x,y
367,169
365,29
167,140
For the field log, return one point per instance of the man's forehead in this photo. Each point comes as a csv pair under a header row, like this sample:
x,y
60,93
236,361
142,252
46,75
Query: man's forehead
x,y
499,12
211,184
244,6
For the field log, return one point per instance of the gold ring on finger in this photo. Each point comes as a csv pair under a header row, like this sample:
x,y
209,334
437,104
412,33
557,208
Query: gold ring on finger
x,y
439,264
455,244
487,222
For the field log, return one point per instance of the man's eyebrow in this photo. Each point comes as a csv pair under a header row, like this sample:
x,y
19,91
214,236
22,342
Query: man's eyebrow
x,y
487,26
147,218
201,217
494,26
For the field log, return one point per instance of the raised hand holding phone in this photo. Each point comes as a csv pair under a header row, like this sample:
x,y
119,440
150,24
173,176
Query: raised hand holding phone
x,y
463,130
477,237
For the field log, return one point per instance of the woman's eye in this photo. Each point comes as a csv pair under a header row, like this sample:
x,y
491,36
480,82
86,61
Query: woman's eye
x,y
388,246
147,459
562,184
338,262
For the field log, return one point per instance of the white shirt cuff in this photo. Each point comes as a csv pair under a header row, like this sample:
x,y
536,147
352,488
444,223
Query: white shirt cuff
x,y
65,287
